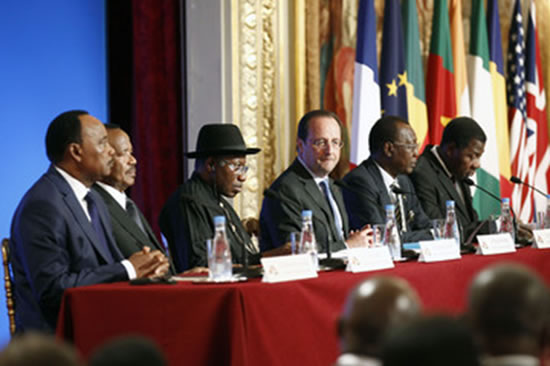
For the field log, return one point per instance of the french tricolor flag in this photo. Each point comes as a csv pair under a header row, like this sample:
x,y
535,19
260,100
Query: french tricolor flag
x,y
366,90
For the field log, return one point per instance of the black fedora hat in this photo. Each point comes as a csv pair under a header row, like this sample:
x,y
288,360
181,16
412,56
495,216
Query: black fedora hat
x,y
220,139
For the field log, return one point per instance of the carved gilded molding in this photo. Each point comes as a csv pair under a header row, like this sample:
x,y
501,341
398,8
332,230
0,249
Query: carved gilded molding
x,y
253,78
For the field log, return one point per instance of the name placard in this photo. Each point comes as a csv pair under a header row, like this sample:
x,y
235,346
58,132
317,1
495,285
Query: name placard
x,y
438,250
288,268
369,259
495,244
542,238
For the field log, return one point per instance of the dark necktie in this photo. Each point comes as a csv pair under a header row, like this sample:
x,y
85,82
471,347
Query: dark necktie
x,y
398,212
133,212
334,208
98,227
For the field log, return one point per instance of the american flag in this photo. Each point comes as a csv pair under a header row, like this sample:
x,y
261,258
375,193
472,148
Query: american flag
x,y
536,108
522,132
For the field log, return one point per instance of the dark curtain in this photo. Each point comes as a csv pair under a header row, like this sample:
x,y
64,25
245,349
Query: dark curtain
x,y
145,63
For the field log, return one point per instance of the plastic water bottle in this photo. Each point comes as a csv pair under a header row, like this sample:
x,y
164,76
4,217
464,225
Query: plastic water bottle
x,y
451,223
308,244
222,268
547,215
391,234
506,221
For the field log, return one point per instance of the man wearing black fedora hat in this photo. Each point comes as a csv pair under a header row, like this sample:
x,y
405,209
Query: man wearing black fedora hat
x,y
186,219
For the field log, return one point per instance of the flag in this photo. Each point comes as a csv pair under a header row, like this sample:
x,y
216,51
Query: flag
x,y
459,59
481,104
393,76
536,108
440,87
416,98
496,67
522,139
366,92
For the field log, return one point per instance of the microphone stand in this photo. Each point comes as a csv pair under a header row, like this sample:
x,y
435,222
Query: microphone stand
x,y
514,179
470,182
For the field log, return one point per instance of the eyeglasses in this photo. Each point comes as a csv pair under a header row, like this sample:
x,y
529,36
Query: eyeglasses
x,y
323,143
235,168
410,147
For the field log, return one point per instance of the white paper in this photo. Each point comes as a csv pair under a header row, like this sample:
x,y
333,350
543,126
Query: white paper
x,y
369,259
438,250
495,244
542,238
288,268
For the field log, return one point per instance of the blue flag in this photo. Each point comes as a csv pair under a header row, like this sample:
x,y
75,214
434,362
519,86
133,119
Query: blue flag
x,y
393,76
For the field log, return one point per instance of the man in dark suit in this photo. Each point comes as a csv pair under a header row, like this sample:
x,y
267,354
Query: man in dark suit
x,y
61,233
374,183
305,185
130,228
441,170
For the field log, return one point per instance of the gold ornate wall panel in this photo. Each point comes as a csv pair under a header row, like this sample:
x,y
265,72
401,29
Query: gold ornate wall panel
x,y
256,93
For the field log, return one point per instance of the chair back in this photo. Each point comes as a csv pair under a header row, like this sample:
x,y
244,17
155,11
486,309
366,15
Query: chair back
x,y
8,284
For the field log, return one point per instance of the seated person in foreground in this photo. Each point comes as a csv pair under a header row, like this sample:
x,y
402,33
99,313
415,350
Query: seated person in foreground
x,y
372,309
509,311
370,186
187,218
306,185
440,172
130,228
435,340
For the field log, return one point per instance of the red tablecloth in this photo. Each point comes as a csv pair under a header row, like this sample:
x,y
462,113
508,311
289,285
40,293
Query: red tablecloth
x,y
253,323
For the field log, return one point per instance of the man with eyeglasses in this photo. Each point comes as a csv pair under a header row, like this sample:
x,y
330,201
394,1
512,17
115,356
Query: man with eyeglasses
x,y
382,179
306,185
186,219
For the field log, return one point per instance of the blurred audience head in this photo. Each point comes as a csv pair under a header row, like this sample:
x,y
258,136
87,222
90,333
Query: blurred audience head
x,y
35,349
430,341
128,351
371,309
508,309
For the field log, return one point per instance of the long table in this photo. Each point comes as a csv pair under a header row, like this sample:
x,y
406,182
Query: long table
x,y
255,323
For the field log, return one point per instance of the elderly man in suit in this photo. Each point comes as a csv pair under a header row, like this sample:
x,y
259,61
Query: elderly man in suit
x,y
130,228
306,185
382,179
61,232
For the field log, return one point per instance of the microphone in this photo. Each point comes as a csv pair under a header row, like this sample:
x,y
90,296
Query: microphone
x,y
515,179
470,182
398,190
329,261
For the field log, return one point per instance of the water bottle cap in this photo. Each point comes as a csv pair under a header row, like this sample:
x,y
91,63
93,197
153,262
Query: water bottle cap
x,y
219,220
390,207
548,196
505,200
307,213
450,203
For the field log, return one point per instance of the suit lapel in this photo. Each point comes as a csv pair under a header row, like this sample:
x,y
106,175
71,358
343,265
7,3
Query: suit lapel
x,y
384,197
449,186
78,213
119,215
